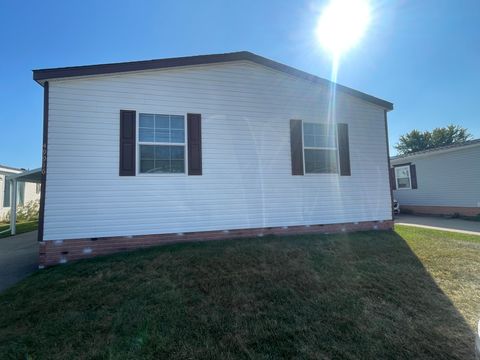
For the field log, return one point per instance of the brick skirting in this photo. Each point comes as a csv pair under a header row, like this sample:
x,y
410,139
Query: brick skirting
x,y
440,210
61,251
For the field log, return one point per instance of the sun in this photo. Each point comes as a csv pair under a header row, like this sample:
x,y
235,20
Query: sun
x,y
342,24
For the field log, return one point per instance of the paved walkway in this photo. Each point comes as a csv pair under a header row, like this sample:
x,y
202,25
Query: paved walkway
x,y
439,223
18,258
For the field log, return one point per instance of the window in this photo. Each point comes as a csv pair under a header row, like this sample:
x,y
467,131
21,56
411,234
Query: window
x,y
402,177
20,193
6,194
320,148
161,143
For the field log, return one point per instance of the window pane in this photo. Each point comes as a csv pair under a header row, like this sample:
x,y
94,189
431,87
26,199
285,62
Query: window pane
x,y
402,172
320,161
319,135
178,166
162,121
162,152
20,193
176,122
6,194
146,135
146,166
147,152
162,166
325,141
177,136
162,135
309,140
162,159
403,183
162,128
178,152
146,121
307,128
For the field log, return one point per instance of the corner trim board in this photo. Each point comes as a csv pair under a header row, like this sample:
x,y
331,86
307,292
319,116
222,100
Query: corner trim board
x,y
388,162
41,210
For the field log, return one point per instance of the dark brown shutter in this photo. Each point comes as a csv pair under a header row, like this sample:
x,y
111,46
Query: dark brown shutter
x,y
343,149
393,181
127,142
194,123
413,176
296,146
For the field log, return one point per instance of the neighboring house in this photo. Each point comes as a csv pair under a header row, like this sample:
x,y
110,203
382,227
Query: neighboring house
x,y
26,192
205,147
444,180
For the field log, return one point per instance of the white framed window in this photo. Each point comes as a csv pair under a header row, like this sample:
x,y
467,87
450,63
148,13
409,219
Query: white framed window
x,y
161,144
6,194
320,148
402,177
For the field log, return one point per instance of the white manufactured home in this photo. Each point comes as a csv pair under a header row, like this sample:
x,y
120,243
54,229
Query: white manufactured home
x,y
441,181
204,147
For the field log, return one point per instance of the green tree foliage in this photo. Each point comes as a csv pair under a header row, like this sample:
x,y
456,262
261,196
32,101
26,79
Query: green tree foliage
x,y
417,140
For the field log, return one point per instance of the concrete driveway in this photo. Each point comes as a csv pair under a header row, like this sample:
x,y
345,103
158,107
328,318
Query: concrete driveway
x,y
18,258
440,223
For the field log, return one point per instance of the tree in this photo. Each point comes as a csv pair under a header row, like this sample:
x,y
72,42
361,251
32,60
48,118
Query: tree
x,y
417,140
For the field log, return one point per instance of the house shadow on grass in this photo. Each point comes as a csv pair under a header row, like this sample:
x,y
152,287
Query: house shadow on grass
x,y
355,296
395,308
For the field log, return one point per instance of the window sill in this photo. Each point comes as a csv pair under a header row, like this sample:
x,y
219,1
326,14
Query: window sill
x,y
321,174
161,175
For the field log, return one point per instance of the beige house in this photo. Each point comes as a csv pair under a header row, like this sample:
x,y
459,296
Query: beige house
x,y
26,192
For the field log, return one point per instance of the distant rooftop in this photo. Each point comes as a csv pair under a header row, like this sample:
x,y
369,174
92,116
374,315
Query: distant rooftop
x,y
441,148
11,168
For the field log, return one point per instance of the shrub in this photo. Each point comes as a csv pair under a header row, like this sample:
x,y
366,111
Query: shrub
x,y
27,212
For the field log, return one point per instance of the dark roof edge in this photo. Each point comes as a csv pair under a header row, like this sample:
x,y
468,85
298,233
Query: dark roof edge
x,y
446,147
65,72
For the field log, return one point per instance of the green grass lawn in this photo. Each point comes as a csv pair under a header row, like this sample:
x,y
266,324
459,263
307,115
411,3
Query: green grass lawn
x,y
22,227
413,293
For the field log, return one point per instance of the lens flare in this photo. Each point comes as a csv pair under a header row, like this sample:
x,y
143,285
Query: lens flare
x,y
342,24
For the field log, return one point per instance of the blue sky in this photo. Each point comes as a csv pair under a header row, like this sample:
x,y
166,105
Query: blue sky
x,y
423,56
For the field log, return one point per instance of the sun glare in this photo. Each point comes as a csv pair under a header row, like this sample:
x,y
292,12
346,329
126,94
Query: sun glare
x,y
342,24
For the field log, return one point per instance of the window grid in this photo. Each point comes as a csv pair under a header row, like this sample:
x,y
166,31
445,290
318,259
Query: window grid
x,y
317,154
167,155
403,177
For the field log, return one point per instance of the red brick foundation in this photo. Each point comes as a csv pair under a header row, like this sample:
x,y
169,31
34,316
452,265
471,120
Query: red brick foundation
x,y
440,210
61,251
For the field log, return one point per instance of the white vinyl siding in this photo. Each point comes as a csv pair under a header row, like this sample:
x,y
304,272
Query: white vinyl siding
x,y
247,182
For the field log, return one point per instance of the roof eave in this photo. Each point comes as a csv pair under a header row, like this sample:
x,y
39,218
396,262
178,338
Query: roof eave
x,y
42,75
469,144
